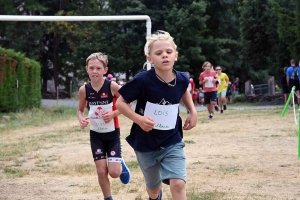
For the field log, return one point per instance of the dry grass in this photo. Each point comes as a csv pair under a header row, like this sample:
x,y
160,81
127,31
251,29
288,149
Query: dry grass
x,y
242,154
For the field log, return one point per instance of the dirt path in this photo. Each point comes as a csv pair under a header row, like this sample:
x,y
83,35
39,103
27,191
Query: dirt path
x,y
247,154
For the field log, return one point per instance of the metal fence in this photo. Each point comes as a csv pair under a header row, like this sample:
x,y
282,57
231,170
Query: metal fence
x,y
262,89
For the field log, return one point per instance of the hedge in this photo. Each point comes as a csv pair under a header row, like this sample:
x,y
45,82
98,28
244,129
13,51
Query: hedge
x,y
20,85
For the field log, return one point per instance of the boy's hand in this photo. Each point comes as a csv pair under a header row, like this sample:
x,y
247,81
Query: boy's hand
x,y
190,122
84,122
107,116
146,123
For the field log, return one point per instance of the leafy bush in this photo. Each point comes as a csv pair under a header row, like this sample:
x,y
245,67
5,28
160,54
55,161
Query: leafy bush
x,y
237,98
20,85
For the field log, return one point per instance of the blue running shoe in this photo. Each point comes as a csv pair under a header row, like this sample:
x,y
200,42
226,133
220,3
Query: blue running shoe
x,y
125,175
159,195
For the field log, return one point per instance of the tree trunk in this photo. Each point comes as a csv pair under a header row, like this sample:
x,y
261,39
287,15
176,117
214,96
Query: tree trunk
x,y
57,41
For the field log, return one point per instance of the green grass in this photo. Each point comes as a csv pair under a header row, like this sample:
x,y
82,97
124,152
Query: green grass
x,y
198,195
240,104
35,117
11,172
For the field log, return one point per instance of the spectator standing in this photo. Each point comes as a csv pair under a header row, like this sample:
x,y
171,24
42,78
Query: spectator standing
x,y
109,77
229,92
292,78
191,88
236,86
195,96
201,96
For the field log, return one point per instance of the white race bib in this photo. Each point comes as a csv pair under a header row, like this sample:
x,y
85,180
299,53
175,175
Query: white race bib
x,y
164,116
209,83
96,121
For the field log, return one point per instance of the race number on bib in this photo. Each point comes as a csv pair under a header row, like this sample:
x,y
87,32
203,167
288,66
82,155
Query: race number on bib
x,y
96,121
209,83
164,116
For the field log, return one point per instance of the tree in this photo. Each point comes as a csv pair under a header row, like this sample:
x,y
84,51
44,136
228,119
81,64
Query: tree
x,y
255,40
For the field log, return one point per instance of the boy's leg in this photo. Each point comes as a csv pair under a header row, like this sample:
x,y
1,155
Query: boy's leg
x,y
173,170
116,164
114,167
220,101
150,167
102,173
177,187
209,108
154,194
223,99
99,154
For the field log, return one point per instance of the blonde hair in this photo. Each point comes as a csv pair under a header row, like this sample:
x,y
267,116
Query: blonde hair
x,y
99,56
158,35
207,63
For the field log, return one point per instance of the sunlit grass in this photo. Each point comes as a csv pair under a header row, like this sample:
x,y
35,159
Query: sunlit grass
x,y
35,117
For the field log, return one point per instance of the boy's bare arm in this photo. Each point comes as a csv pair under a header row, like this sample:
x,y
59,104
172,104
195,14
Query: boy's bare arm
x,y
81,106
191,120
146,123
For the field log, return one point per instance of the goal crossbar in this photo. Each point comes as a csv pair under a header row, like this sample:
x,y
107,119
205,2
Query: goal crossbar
x,y
81,18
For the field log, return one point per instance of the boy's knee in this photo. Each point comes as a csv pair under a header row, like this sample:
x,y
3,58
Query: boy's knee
x,y
114,173
177,184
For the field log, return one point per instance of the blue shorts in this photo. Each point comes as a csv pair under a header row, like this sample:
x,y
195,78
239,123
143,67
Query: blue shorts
x,y
222,93
163,164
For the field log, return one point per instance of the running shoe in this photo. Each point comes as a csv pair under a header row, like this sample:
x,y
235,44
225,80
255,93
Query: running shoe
x,y
210,116
225,107
125,175
221,111
159,195
217,108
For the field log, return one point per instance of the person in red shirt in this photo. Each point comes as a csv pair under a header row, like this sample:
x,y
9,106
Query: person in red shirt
x,y
208,79
191,88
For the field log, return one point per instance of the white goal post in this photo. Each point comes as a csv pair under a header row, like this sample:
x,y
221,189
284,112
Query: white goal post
x,y
80,18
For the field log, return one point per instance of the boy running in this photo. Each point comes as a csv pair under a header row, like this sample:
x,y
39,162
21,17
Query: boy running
x,y
156,134
101,95
208,79
222,89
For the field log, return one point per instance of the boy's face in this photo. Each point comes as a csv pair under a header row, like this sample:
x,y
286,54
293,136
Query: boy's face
x,y
218,70
207,67
163,55
96,70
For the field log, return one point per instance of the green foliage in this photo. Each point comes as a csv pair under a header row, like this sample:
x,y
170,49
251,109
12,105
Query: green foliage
x,y
237,98
19,81
250,39
288,25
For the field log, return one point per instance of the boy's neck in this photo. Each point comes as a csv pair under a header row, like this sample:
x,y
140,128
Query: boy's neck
x,y
167,76
98,85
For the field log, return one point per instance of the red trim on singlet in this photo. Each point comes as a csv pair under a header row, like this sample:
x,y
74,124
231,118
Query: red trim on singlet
x,y
116,119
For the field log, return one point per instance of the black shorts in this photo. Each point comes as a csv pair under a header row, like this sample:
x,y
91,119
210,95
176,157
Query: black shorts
x,y
292,83
106,145
209,97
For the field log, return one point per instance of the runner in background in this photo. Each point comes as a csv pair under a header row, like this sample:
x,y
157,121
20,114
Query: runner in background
x,y
222,88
